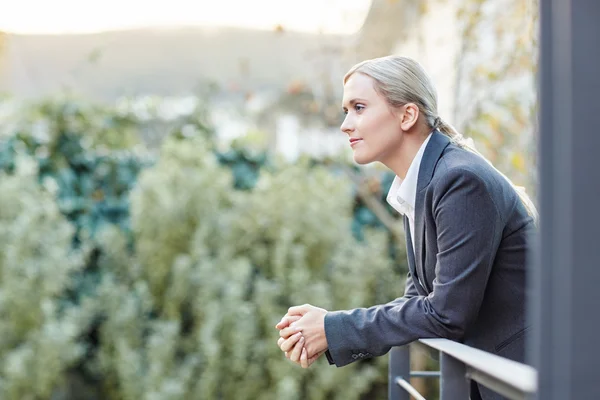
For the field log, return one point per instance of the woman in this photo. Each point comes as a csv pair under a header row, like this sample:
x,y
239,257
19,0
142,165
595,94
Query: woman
x,y
467,230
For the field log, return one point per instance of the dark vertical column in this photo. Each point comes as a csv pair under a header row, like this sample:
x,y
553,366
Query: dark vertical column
x,y
399,366
565,275
454,384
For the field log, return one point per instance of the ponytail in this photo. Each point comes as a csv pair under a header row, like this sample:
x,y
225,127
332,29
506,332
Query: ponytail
x,y
469,145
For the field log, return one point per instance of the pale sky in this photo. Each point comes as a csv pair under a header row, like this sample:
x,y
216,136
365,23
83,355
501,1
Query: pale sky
x,y
77,16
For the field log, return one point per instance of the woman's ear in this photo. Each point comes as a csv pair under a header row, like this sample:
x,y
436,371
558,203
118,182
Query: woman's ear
x,y
409,116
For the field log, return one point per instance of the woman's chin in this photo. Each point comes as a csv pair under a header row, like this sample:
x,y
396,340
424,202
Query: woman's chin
x,y
362,159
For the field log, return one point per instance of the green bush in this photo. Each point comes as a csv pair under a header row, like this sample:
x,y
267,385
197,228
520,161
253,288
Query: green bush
x,y
76,148
39,329
176,298
192,314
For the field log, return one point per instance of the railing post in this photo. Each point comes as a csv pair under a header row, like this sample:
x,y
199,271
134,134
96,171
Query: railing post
x,y
399,366
454,384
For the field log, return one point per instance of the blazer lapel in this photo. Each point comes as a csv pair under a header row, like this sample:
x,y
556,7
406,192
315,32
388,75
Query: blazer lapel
x,y
411,259
432,154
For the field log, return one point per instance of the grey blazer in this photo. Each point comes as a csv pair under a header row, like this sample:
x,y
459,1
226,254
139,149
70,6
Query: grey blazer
x,y
471,236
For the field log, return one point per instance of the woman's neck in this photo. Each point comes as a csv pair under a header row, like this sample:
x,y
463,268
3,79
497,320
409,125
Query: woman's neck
x,y
399,162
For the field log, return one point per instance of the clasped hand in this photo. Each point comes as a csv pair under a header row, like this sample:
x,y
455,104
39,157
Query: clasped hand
x,y
302,334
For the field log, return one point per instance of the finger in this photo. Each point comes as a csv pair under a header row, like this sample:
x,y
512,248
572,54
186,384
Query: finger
x,y
288,344
304,359
279,341
289,331
287,354
295,355
299,310
283,323
287,320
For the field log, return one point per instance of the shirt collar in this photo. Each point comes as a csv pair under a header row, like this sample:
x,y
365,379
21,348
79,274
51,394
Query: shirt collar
x,y
403,192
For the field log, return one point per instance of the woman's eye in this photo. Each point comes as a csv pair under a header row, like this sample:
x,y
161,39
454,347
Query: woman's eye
x,y
359,107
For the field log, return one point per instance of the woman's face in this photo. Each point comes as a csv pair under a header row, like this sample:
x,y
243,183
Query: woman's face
x,y
373,128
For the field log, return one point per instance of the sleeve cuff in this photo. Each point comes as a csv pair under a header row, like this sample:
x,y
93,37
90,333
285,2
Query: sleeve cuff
x,y
334,332
329,358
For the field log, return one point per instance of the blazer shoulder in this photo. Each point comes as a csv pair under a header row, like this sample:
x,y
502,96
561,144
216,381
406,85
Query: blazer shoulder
x,y
470,174
456,162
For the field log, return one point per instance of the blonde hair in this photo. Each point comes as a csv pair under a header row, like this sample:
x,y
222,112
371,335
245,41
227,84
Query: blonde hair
x,y
401,80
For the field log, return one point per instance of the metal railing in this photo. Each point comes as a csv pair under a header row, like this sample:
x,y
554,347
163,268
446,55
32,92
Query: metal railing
x,y
459,364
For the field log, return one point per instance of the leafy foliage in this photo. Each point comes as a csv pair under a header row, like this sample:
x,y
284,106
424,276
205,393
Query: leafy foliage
x,y
77,152
38,329
173,293
496,83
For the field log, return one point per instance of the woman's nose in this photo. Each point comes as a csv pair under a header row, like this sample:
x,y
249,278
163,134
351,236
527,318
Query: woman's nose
x,y
347,125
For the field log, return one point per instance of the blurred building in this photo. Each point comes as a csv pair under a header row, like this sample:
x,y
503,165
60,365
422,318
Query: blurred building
x,y
3,61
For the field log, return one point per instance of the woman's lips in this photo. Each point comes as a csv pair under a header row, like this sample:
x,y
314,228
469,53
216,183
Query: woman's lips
x,y
354,141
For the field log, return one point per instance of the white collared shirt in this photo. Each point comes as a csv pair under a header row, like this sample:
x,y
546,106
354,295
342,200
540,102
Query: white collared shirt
x,y
403,192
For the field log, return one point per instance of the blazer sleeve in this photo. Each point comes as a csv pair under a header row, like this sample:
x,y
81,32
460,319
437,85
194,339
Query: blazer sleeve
x,y
409,292
409,289
469,230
